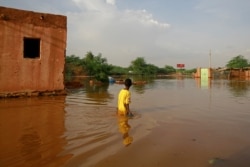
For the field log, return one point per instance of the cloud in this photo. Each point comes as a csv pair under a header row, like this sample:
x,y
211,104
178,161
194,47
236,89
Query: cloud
x,y
111,2
95,5
227,10
120,35
162,32
145,18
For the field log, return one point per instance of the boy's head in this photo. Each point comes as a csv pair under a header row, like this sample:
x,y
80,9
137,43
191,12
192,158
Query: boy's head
x,y
128,82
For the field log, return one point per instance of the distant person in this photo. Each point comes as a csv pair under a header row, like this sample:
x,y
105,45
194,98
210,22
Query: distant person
x,y
124,99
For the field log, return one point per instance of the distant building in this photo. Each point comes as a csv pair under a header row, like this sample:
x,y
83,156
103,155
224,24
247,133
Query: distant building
x,y
203,77
32,52
203,73
239,72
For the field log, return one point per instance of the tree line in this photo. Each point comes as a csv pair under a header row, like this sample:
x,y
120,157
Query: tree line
x,y
238,62
98,67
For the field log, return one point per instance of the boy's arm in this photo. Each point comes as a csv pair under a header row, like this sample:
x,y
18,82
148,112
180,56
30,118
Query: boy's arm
x,y
129,113
127,107
128,100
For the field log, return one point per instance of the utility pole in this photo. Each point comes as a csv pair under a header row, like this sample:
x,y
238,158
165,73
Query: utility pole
x,y
210,58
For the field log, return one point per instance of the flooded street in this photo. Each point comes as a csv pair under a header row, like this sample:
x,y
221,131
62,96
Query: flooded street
x,y
177,123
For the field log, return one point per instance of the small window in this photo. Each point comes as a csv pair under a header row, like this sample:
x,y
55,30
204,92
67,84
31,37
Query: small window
x,y
31,48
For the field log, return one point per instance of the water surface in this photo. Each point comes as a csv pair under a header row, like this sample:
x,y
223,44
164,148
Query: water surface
x,y
177,122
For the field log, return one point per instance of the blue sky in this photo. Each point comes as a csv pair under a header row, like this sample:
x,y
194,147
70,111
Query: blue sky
x,y
164,32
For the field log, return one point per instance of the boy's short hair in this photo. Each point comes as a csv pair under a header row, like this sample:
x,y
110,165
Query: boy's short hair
x,y
128,82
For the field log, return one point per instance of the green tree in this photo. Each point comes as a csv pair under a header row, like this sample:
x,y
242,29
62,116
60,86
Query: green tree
x,y
117,70
89,63
169,69
161,71
238,62
97,66
138,66
73,66
190,71
151,69
74,60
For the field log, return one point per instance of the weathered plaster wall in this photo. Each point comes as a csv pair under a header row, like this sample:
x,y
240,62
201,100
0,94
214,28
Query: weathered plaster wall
x,y
19,74
248,73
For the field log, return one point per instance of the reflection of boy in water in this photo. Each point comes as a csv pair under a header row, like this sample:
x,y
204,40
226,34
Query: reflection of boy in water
x,y
124,128
124,99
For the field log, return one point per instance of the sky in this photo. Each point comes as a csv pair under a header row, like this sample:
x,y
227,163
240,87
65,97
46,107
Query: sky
x,y
163,32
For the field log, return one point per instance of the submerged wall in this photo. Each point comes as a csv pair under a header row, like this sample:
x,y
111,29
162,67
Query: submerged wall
x,y
247,73
203,73
32,52
238,73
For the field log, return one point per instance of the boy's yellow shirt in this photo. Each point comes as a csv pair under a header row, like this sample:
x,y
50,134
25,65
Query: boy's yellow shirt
x,y
123,98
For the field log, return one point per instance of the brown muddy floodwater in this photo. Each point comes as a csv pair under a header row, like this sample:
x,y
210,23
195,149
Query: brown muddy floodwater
x,y
177,123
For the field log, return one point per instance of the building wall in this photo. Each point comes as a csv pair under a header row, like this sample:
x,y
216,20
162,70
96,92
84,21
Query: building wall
x,y
247,73
45,73
237,73
203,72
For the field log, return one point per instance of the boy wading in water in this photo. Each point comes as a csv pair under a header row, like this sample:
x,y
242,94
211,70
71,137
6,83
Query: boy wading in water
x,y
124,98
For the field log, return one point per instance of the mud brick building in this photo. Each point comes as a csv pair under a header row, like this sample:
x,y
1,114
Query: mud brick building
x,y
32,52
239,73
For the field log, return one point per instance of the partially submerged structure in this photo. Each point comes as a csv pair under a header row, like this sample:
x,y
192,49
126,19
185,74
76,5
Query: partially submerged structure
x,y
32,52
203,77
227,73
239,72
203,73
231,73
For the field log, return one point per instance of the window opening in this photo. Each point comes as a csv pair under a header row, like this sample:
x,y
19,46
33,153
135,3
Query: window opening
x,y
31,48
